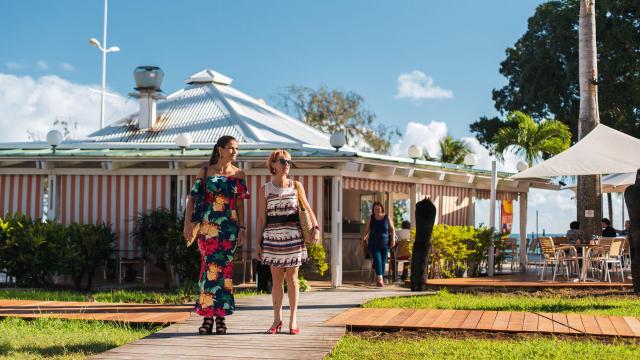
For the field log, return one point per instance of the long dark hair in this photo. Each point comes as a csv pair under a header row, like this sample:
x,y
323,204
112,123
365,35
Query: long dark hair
x,y
222,142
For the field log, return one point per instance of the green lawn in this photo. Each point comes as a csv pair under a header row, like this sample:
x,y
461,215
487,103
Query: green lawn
x,y
441,347
114,296
624,305
63,339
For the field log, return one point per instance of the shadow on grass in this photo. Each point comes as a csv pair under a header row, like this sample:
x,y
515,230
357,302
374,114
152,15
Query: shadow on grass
x,y
56,350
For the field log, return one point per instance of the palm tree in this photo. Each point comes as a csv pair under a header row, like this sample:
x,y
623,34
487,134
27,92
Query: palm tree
x,y
589,194
533,140
451,151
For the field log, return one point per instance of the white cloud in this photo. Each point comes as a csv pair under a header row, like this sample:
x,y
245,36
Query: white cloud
x,y
14,65
42,65
416,85
28,104
66,66
426,136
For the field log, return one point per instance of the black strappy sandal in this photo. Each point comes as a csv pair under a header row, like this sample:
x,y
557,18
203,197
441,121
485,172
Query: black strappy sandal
x,y
207,326
221,328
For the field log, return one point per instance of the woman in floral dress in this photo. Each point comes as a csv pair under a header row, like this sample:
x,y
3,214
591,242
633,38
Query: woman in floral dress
x,y
216,204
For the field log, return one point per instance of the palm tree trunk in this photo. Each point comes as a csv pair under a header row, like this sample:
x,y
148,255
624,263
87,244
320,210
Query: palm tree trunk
x,y
589,190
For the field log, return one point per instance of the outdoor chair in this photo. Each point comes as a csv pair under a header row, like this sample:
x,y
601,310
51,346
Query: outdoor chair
x,y
534,257
626,255
605,242
557,256
594,260
127,262
613,257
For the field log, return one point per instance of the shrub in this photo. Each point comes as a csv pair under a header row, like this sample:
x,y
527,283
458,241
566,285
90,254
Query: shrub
x,y
96,244
25,252
158,234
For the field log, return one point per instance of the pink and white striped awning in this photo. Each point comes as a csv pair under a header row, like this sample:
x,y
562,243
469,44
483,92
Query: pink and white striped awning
x,y
376,185
500,195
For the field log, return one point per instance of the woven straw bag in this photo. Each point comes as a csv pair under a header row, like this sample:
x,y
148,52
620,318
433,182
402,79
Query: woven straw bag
x,y
305,219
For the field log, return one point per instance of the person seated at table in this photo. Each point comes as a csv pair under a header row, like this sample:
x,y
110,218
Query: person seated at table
x,y
627,227
404,248
607,229
574,235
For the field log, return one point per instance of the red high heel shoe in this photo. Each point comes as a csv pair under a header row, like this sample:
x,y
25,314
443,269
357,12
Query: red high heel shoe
x,y
295,331
275,329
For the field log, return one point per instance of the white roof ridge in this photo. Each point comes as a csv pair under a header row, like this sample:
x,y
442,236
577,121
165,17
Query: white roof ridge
x,y
209,76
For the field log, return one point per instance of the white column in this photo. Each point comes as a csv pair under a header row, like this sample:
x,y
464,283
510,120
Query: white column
x,y
471,210
336,231
181,194
52,194
492,215
523,231
414,197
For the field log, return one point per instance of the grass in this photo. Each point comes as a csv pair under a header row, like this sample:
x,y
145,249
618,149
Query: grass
x,y
560,302
439,347
63,339
113,296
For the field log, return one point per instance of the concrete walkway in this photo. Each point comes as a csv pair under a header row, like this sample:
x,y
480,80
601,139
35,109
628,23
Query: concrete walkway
x,y
246,335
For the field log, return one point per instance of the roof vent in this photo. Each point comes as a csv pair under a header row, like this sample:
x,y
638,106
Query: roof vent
x,y
208,76
148,80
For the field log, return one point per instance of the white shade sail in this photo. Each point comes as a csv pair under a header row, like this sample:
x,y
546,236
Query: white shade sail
x,y
603,151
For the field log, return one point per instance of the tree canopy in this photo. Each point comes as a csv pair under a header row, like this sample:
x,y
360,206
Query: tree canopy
x,y
330,110
452,151
542,68
533,140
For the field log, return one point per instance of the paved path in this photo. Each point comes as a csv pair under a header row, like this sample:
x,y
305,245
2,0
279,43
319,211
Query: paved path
x,y
246,335
556,323
136,313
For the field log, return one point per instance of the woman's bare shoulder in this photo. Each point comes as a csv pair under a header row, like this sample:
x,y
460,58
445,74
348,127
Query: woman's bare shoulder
x,y
239,173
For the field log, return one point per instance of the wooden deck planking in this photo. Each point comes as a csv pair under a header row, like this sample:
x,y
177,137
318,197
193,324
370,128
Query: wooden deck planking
x,y
442,321
634,324
486,321
136,313
414,319
502,321
545,322
575,323
472,319
321,319
458,319
605,325
590,324
621,326
516,322
530,323
429,318
560,323
400,318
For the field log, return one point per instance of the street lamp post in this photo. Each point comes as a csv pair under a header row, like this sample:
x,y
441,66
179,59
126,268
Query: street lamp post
x,y
103,48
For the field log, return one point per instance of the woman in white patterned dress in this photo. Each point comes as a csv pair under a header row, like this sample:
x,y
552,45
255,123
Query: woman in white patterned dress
x,y
282,246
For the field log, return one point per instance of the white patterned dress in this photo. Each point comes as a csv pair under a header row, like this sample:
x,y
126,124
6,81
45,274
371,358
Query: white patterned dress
x,y
283,245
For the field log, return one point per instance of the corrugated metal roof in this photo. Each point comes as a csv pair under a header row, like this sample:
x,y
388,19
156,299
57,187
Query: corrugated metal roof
x,y
192,110
208,110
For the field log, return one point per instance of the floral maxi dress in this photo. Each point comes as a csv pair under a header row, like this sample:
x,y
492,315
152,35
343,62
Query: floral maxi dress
x,y
215,210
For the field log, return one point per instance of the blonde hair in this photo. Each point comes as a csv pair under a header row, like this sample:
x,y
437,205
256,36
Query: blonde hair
x,y
274,157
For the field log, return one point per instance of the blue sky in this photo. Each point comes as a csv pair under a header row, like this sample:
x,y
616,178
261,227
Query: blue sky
x,y
426,67
362,46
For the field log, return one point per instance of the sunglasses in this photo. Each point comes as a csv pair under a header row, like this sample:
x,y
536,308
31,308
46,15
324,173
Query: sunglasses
x,y
285,162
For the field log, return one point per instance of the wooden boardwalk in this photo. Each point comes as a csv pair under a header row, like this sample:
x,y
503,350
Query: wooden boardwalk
x,y
135,313
246,337
478,320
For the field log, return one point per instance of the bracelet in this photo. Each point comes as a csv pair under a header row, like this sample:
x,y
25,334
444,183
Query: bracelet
x,y
242,227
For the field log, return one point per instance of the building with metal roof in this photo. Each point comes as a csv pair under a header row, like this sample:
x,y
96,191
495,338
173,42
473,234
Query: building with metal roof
x,y
134,165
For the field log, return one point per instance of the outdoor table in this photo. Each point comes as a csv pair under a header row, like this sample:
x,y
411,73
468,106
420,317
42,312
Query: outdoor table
x,y
583,266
